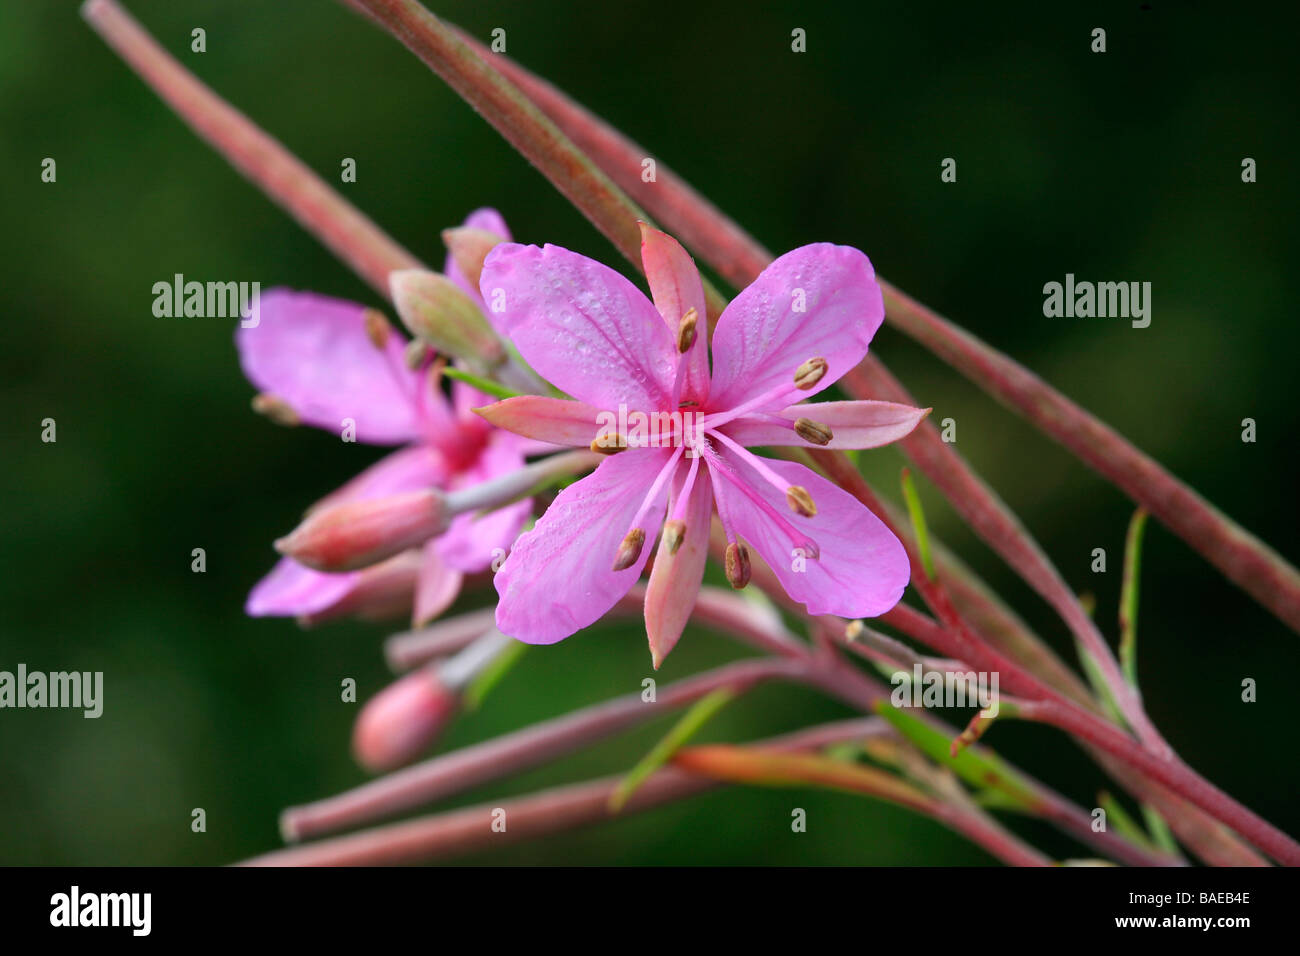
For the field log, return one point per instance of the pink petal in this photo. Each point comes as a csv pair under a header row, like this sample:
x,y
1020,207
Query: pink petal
x,y
862,569
291,589
489,220
313,352
676,288
436,588
554,420
557,579
675,578
760,339
862,424
582,326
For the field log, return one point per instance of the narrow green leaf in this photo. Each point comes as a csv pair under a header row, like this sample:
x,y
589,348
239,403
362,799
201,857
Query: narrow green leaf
x,y
977,766
1128,599
1161,835
482,384
492,674
1099,686
699,714
918,522
1123,823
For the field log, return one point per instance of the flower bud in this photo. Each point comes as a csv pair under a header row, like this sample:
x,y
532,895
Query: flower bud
x,y
402,720
469,247
357,534
439,313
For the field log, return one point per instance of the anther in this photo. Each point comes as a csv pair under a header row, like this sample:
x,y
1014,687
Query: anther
x,y
809,373
811,431
686,330
629,550
800,502
737,565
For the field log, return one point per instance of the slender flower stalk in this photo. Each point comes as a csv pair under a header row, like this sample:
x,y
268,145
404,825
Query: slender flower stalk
x,y
457,832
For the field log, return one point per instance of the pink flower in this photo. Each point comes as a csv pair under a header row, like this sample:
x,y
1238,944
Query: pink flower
x,y
802,324
328,363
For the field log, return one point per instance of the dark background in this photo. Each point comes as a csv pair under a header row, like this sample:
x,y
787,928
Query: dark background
x,y
1122,166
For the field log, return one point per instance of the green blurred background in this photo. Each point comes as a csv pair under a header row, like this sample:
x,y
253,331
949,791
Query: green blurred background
x,y
1122,166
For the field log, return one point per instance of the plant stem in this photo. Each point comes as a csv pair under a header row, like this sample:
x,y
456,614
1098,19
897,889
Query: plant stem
x,y
551,811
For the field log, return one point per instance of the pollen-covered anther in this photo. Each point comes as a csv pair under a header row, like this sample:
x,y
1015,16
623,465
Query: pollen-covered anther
x,y
415,354
811,431
276,409
377,328
686,330
629,550
609,444
809,373
737,565
800,502
674,533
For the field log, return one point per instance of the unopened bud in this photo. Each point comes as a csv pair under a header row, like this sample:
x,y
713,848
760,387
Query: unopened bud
x,y
439,313
629,550
800,502
357,534
811,431
674,534
377,328
275,409
686,330
469,247
402,720
737,565
809,373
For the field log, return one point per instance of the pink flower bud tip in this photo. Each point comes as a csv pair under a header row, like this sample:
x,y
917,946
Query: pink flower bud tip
x,y
402,720
357,534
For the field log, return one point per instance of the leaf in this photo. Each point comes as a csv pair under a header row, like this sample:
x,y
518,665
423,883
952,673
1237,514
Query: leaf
x,y
700,713
979,767
492,674
774,768
918,522
482,384
1128,598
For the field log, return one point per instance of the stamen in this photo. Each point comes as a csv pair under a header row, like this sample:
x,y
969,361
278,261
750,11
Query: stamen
x,y
636,529
416,353
377,328
604,446
800,502
805,377
276,409
797,538
814,432
737,565
629,550
674,533
686,330
809,373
